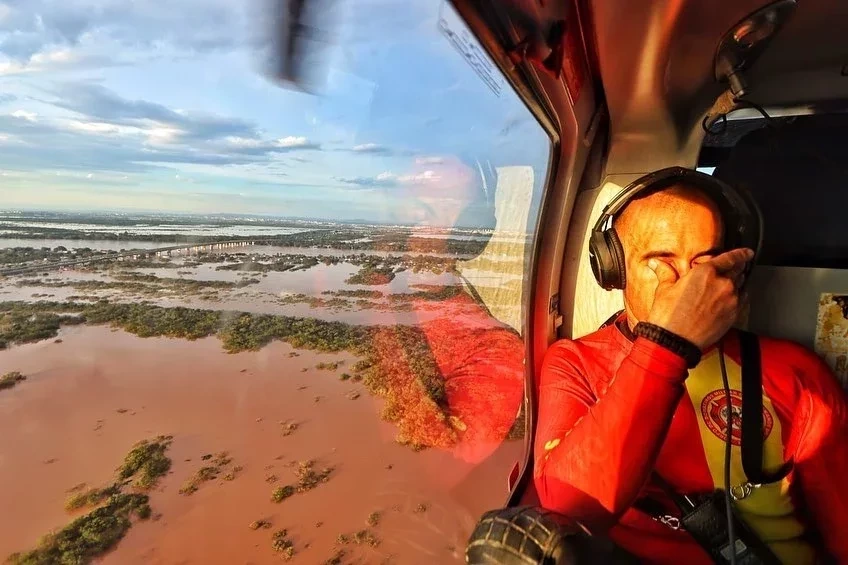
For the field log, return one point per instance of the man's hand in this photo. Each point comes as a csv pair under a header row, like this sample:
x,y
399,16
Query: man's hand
x,y
703,304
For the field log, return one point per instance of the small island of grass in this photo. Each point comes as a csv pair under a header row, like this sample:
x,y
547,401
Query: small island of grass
x,y
98,531
10,379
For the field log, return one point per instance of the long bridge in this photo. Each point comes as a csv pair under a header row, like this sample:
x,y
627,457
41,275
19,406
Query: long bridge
x,y
136,254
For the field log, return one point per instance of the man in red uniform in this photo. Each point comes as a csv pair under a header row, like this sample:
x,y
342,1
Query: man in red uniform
x,y
614,407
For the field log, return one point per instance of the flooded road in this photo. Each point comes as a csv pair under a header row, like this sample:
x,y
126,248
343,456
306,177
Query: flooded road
x,y
88,399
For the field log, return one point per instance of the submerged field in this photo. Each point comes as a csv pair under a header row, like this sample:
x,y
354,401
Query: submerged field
x,y
305,397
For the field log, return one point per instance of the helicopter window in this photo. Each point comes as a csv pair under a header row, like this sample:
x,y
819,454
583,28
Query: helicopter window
x,y
795,169
293,322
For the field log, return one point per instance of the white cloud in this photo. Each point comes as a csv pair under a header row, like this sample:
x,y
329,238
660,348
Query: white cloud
x,y
89,175
99,127
163,134
388,178
49,60
154,133
366,147
236,141
24,115
292,141
52,56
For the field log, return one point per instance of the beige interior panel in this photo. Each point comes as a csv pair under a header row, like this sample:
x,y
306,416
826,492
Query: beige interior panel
x,y
592,305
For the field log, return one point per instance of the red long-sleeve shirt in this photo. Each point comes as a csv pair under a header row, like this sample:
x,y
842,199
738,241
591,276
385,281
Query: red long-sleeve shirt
x,y
612,410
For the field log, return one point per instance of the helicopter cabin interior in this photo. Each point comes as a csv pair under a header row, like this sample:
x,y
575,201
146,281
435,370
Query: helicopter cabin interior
x,y
753,92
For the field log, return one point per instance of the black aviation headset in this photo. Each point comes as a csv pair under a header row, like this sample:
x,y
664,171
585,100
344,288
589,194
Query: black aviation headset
x,y
742,220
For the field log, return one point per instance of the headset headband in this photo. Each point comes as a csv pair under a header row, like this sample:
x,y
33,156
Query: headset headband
x,y
739,210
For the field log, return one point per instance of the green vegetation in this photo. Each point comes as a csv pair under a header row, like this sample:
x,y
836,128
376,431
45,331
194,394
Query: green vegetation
x,y
372,275
20,255
359,538
138,283
374,519
307,479
152,321
250,332
281,493
10,379
96,532
325,366
147,462
278,263
288,428
204,474
257,524
209,473
358,293
374,300
88,536
315,301
282,545
26,324
434,293
231,476
91,497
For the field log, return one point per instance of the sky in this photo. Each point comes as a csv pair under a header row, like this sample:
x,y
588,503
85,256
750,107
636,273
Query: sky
x,y
172,106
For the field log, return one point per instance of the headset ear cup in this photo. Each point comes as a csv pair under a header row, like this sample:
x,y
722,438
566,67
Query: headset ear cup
x,y
617,253
602,261
599,257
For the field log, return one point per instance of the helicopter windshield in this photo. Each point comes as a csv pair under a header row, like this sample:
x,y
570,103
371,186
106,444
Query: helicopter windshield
x,y
240,321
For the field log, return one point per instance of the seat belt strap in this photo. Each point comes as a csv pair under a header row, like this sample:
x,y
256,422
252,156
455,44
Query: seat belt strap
x,y
752,414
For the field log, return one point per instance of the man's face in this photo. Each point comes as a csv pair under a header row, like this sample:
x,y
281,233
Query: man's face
x,y
678,226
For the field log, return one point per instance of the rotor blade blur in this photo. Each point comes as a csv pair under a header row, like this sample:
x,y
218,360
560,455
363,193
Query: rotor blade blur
x,y
301,37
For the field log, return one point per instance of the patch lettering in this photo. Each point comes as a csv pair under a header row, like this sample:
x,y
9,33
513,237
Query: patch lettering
x,y
714,413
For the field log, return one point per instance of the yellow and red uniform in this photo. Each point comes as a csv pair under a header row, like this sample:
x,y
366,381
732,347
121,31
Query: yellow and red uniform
x,y
613,409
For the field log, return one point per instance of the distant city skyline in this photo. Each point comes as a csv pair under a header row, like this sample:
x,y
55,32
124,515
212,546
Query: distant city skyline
x,y
138,108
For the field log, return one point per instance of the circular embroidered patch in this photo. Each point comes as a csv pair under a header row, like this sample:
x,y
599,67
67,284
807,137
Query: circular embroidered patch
x,y
714,413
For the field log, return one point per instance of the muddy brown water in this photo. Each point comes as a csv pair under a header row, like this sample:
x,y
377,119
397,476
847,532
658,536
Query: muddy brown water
x,y
62,427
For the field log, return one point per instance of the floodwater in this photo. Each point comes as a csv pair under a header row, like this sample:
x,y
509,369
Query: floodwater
x,y
323,251
266,297
103,245
164,229
62,427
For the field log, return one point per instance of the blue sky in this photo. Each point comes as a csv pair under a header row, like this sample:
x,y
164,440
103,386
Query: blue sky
x,y
152,105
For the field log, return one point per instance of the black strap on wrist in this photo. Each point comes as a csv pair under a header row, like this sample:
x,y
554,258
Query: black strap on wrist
x,y
671,341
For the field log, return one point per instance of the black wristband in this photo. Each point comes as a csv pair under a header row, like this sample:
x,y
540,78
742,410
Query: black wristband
x,y
671,341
